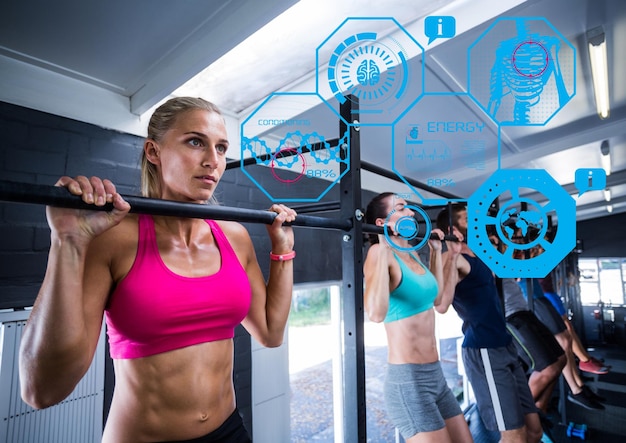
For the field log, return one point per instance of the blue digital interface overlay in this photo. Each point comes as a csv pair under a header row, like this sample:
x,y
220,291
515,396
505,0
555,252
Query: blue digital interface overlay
x,y
439,26
415,229
371,68
289,150
532,242
522,71
589,179
444,152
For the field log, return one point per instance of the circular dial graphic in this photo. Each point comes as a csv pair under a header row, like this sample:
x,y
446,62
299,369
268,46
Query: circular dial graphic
x,y
408,228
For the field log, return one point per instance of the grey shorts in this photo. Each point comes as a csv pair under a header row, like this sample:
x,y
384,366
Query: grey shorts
x,y
418,399
500,386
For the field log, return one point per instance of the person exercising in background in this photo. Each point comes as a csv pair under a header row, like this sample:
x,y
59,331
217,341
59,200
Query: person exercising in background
x,y
534,342
172,291
401,292
587,362
493,368
580,394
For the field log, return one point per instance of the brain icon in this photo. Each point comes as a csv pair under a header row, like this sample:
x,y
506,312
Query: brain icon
x,y
368,73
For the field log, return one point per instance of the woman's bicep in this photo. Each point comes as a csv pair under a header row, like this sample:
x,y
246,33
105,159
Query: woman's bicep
x,y
256,320
377,286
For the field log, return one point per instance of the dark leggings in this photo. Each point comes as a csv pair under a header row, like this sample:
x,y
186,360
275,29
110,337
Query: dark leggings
x,y
231,431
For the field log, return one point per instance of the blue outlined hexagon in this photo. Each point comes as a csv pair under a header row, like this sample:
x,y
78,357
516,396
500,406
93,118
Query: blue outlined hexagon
x,y
507,185
443,140
291,149
375,60
521,71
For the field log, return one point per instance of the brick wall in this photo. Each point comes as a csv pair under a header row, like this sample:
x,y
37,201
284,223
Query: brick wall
x,y
38,148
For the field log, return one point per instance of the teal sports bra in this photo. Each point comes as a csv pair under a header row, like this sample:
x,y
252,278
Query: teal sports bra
x,y
416,293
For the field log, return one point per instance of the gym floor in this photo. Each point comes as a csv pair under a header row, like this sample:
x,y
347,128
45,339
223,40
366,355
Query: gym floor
x,y
608,426
309,399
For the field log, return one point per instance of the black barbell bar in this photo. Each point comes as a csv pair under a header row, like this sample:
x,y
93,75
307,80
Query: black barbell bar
x,y
60,197
57,196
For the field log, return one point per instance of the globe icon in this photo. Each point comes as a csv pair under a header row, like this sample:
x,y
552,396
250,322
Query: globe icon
x,y
513,218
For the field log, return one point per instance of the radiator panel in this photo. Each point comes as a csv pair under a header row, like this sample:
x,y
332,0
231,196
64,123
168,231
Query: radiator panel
x,y
77,419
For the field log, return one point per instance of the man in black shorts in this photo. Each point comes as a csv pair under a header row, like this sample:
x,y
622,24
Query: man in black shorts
x,y
535,345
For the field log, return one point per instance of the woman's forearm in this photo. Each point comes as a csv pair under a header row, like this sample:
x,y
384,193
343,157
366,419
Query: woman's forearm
x,y
450,280
54,347
278,303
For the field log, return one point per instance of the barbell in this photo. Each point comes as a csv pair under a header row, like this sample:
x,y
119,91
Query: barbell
x,y
57,196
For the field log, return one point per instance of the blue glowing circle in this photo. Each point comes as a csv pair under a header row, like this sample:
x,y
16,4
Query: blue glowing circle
x,y
508,182
408,228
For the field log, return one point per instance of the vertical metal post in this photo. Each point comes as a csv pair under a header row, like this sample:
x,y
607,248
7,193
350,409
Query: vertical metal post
x,y
530,292
352,282
560,275
338,400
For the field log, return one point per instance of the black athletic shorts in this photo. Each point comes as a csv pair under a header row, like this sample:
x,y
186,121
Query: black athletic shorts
x,y
534,342
231,431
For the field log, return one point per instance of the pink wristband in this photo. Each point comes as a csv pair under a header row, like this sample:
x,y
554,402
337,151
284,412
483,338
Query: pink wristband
x,y
288,256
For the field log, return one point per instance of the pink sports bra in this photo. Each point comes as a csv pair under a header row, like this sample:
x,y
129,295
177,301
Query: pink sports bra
x,y
154,310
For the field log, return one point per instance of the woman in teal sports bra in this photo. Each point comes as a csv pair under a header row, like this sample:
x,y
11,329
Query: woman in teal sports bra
x,y
401,292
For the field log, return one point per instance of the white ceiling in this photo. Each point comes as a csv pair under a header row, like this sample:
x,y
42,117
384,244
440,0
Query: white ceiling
x,y
109,63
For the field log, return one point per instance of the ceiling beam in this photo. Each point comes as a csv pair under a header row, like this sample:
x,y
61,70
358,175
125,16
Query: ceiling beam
x,y
33,87
616,178
474,14
210,42
551,141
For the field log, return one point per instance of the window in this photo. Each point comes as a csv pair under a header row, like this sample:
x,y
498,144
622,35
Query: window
x,y
314,367
314,337
602,279
311,344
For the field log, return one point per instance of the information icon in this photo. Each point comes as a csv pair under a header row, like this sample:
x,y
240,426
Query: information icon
x,y
439,26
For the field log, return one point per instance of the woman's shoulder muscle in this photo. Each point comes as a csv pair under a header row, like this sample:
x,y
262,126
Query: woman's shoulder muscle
x,y
238,237
116,248
235,232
